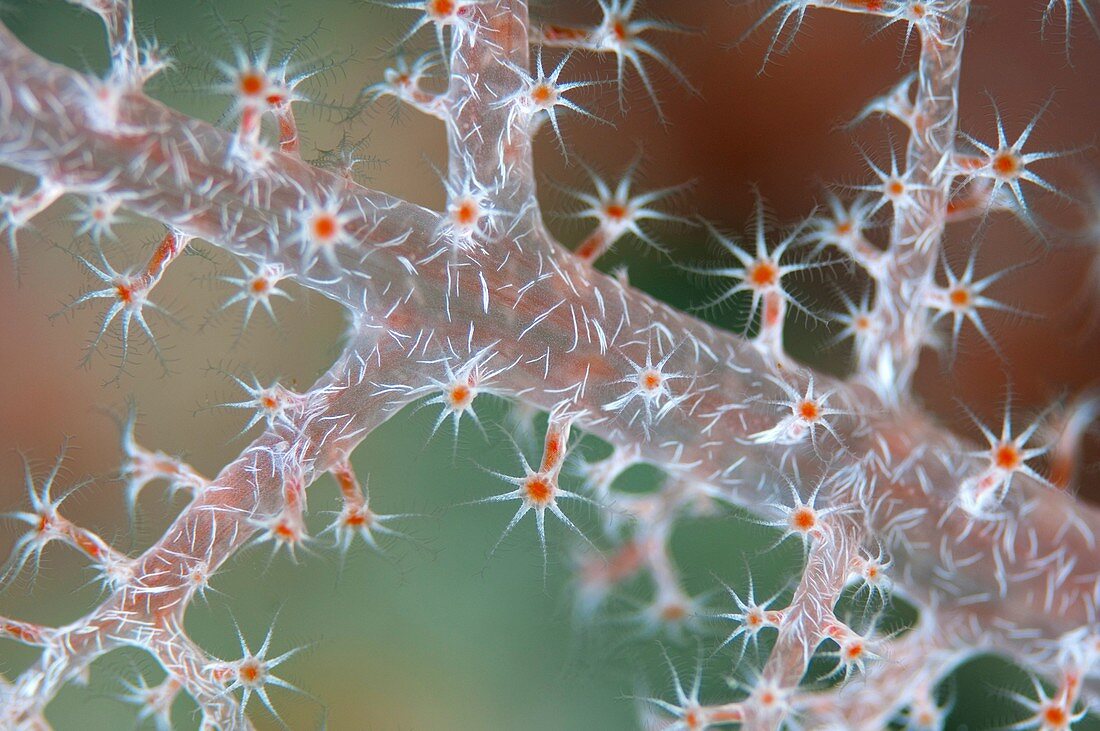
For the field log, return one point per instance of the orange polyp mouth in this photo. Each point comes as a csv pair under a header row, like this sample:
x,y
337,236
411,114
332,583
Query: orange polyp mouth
x,y
615,211
358,518
249,672
863,323
269,402
844,228
764,274
285,532
1007,457
461,396
895,188
1006,164
124,293
466,213
673,613
543,94
259,286
959,297
539,490
809,410
620,30
1055,717
855,651
324,227
650,380
442,8
251,83
803,520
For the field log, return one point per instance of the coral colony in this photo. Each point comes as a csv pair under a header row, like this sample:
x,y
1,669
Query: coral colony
x,y
986,540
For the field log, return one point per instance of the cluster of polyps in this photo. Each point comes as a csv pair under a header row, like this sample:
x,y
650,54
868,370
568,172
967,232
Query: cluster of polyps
x,y
477,299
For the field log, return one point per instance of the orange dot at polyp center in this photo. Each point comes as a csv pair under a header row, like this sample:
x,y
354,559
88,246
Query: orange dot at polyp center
x,y
650,380
1056,717
615,211
539,490
442,8
803,519
960,297
763,274
673,612
461,395
259,285
324,227
809,410
1006,164
1007,457
466,213
895,188
542,94
251,83
249,672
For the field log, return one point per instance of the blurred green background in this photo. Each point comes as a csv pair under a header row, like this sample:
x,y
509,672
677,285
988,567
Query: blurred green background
x,y
435,633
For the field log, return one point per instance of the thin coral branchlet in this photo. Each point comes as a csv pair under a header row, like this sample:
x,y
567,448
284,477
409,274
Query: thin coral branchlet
x,y
1049,712
688,712
403,81
802,519
256,287
1006,166
460,385
458,15
273,404
538,490
357,518
963,298
322,227
621,34
539,97
649,383
752,617
471,217
894,187
927,17
1067,7
252,673
129,300
1007,456
45,521
154,702
617,212
808,412
761,274
871,574
97,215
843,228
142,466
